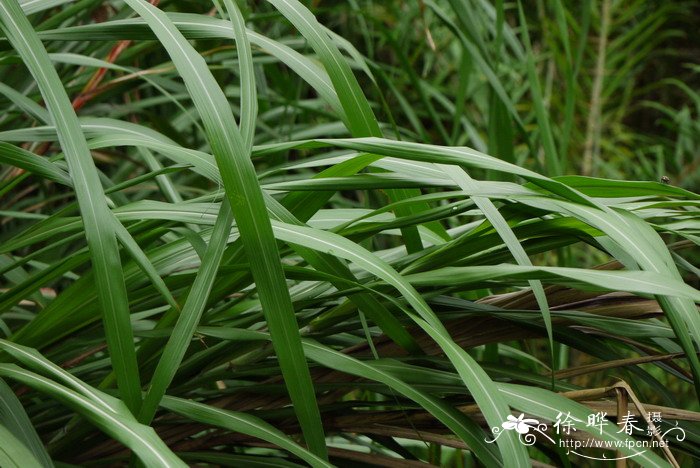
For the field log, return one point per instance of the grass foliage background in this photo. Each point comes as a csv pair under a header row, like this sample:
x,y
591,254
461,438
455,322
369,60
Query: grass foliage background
x,y
344,233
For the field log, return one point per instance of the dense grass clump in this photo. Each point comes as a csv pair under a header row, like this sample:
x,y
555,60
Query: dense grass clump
x,y
278,233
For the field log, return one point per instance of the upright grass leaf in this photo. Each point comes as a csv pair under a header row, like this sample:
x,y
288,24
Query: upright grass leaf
x,y
35,6
473,51
177,344
571,70
246,200
99,230
552,163
175,348
142,261
249,99
361,122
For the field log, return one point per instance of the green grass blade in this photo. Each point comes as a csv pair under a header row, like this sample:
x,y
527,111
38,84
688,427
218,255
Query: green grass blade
x,y
516,249
360,118
640,282
240,422
249,101
366,303
118,423
177,344
451,418
135,252
13,453
246,200
473,376
24,103
552,163
96,216
14,419
18,157
175,348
